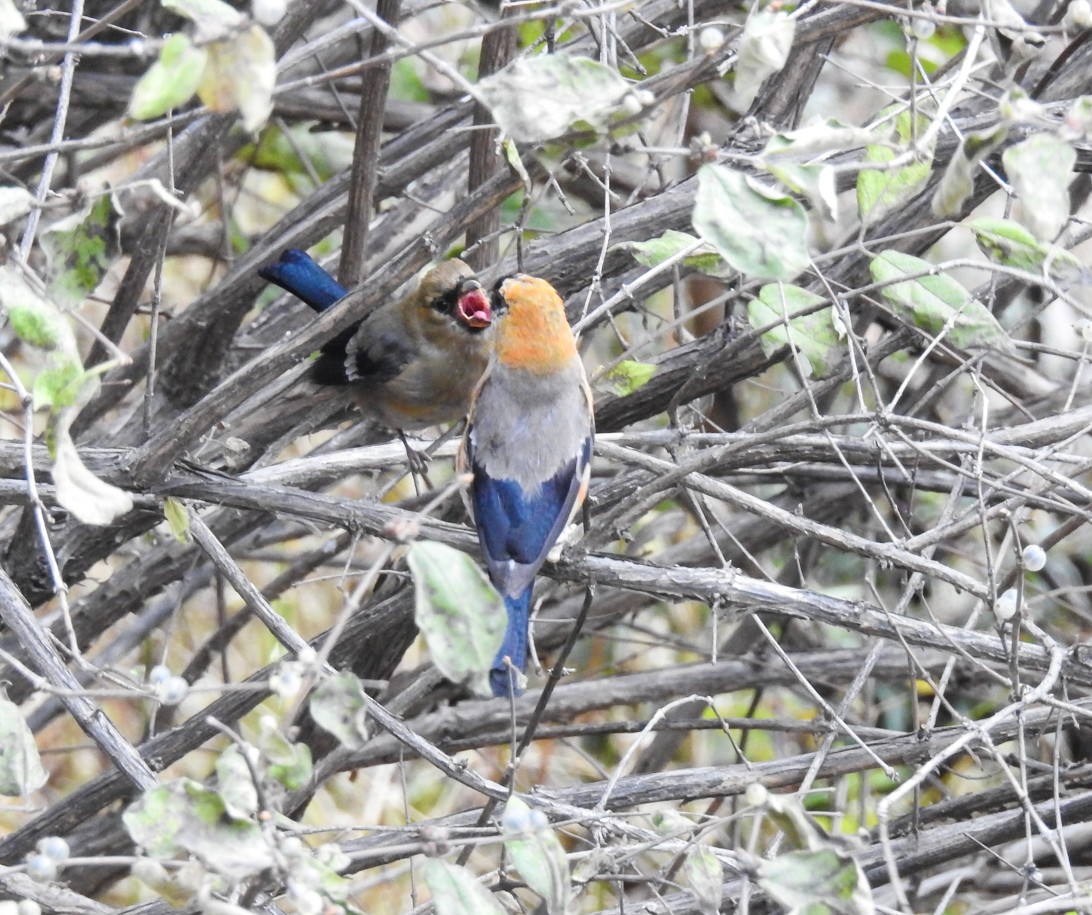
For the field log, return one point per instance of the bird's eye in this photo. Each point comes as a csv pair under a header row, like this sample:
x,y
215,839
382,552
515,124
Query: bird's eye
x,y
445,303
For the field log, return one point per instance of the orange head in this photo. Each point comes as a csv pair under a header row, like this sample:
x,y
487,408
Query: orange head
x,y
532,332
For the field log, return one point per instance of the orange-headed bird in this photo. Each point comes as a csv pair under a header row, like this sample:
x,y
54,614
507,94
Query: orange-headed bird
x,y
412,363
528,444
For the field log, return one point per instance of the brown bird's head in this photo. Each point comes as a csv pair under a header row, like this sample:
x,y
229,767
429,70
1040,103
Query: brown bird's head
x,y
452,290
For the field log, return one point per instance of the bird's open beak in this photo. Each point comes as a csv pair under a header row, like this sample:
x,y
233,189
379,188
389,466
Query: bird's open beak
x,y
474,307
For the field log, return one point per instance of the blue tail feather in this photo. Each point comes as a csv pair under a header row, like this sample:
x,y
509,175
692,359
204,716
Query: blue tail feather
x,y
297,272
514,647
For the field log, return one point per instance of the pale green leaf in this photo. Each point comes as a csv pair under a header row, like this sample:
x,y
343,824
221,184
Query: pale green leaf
x,y
819,137
537,854
185,816
455,891
21,769
460,614
1039,169
764,49
1010,244
61,383
881,192
289,763
542,97
789,815
655,251
81,248
34,318
1077,124
815,182
235,784
171,81
957,182
822,881
178,519
338,706
705,876
810,331
934,302
626,377
240,74
511,155
759,231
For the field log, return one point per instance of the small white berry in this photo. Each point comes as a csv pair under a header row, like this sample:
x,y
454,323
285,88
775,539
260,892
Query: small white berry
x,y
710,38
159,674
268,12
54,847
1034,557
172,690
922,29
1006,605
756,795
41,869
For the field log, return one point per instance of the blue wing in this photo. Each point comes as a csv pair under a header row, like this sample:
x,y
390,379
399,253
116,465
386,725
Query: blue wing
x,y
514,525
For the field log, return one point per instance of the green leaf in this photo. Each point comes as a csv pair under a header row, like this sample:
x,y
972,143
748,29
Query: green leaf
x,y
758,230
813,335
626,377
185,816
539,98
338,705
1039,170
815,182
300,153
823,881
81,248
240,74
21,769
178,519
455,891
34,318
824,136
460,614
882,192
763,50
235,784
538,855
957,183
171,81
655,251
289,763
705,876
61,383
512,157
784,155
1010,244
1077,123
934,302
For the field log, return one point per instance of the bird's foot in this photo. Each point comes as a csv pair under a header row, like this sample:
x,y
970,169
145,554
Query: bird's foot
x,y
417,460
